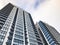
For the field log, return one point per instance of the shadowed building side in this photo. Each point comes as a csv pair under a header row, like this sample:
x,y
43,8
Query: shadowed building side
x,y
50,35
54,32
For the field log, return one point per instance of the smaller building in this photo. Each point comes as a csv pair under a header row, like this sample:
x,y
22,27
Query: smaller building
x,y
48,34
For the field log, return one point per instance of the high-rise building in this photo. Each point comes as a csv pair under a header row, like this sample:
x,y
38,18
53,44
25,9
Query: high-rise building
x,y
17,27
48,34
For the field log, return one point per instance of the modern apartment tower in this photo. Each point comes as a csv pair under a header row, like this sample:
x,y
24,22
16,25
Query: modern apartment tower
x,y
48,34
17,27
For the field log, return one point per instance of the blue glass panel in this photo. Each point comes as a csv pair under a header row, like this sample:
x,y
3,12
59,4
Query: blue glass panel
x,y
53,43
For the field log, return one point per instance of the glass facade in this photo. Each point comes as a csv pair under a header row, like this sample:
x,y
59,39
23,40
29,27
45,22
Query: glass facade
x,y
4,23
32,35
17,27
11,32
47,34
30,30
19,32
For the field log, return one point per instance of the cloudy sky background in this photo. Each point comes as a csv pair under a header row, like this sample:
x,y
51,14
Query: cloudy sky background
x,y
45,10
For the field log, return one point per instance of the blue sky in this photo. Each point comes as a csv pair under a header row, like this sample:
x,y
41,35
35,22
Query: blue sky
x,y
45,10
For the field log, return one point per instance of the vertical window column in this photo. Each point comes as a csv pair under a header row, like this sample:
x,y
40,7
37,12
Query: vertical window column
x,y
26,42
9,41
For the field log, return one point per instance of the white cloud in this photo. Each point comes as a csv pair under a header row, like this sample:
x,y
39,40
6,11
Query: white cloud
x,y
49,12
3,3
25,4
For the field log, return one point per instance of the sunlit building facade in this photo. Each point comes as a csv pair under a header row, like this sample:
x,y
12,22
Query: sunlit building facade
x,y
17,27
48,34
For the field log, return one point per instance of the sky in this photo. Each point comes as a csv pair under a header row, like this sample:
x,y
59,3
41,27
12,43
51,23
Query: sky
x,y
45,10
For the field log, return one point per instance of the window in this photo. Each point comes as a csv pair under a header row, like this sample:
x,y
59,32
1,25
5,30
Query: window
x,y
2,20
32,44
2,37
50,40
5,28
14,44
1,43
2,17
17,32
19,29
18,41
3,32
47,35
53,43
33,37
18,36
0,25
32,40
